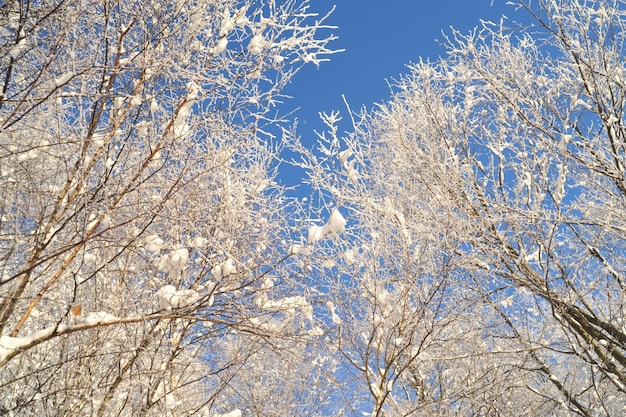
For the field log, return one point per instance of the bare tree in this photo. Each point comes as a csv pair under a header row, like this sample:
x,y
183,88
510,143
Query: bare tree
x,y
484,269
139,216
403,315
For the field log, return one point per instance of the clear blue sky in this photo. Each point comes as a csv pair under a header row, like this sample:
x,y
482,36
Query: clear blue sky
x,y
380,38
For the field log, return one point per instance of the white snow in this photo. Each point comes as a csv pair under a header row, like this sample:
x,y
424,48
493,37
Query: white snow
x,y
235,413
287,304
265,324
559,186
254,74
353,174
333,313
498,149
135,101
97,140
198,242
316,331
15,51
336,223
375,390
228,24
118,105
316,233
399,216
221,46
612,119
32,154
180,257
240,16
349,257
174,262
224,269
268,283
171,298
93,223
181,128
142,128
296,249
507,302
344,155
101,317
63,79
482,264
228,267
9,345
257,43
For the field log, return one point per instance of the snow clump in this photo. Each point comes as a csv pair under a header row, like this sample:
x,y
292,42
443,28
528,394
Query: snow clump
x,y
224,269
257,43
171,298
101,317
175,261
336,223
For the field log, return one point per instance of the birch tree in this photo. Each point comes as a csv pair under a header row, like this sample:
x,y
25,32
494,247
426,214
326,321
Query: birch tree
x,y
140,219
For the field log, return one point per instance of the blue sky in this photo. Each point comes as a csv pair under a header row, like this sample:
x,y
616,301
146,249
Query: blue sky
x,y
380,38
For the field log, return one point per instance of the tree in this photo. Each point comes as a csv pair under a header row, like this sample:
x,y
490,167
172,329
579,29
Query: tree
x,y
484,269
140,219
